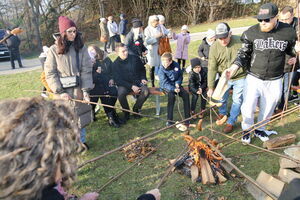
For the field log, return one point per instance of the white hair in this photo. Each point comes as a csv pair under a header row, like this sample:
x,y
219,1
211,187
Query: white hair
x,y
152,18
161,18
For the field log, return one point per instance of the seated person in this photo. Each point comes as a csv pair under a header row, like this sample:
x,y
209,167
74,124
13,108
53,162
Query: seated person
x,y
130,75
170,76
38,145
197,84
104,85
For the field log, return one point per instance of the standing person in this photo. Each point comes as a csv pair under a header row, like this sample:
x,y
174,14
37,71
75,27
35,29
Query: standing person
x,y
113,33
198,84
183,41
265,46
170,80
13,44
38,150
68,70
152,36
123,27
203,50
130,76
162,20
221,55
287,16
104,84
134,41
104,32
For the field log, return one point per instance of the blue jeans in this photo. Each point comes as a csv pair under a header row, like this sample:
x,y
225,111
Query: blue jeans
x,y
83,135
237,99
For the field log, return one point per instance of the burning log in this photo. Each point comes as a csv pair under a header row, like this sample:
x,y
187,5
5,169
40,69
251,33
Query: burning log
x,y
201,161
137,150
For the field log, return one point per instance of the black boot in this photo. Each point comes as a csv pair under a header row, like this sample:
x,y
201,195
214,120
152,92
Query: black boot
x,y
135,115
126,117
117,118
112,121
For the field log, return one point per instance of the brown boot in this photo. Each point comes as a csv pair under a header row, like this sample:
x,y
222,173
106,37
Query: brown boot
x,y
228,128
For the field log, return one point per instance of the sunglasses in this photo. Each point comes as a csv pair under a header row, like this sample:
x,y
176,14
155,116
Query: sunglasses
x,y
75,31
264,20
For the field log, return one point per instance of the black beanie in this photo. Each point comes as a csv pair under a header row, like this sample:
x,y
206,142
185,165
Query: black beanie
x,y
195,62
136,23
146,197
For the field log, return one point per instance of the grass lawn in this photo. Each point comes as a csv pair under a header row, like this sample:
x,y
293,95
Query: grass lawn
x,y
145,176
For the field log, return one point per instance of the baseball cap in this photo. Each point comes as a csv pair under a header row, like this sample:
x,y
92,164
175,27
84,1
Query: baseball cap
x,y
222,30
267,11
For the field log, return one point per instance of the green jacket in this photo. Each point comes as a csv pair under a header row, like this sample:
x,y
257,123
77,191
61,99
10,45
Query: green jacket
x,y
221,58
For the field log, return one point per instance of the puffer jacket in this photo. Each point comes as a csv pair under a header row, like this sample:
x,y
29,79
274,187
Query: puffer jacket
x,y
198,80
170,76
263,53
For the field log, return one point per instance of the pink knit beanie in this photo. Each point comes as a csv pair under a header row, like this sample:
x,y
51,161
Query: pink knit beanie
x,y
65,23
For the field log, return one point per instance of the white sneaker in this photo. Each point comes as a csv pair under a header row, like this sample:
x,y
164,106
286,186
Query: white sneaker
x,y
270,132
246,138
261,135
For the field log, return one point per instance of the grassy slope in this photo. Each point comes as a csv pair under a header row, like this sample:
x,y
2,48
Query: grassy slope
x,y
102,138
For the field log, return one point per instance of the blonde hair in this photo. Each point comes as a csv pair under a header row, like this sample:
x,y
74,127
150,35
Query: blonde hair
x,y
167,55
36,137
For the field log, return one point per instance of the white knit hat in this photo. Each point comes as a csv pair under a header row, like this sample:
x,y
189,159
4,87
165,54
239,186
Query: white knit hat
x,y
210,33
102,19
185,27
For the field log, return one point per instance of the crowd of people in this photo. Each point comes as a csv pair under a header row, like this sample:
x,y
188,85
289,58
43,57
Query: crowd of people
x,y
253,64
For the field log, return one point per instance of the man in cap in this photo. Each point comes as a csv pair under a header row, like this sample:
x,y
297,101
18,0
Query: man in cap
x,y
221,55
265,46
13,44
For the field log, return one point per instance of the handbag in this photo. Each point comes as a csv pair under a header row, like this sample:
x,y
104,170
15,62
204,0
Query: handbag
x,y
164,46
103,39
71,81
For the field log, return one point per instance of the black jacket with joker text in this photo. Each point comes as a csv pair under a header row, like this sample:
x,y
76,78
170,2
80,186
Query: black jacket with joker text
x,y
263,53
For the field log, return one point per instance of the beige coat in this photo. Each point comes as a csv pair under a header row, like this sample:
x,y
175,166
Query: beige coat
x,y
57,66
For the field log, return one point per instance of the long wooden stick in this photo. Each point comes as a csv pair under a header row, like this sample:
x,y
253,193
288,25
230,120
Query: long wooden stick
x,y
243,174
142,138
171,167
256,152
265,150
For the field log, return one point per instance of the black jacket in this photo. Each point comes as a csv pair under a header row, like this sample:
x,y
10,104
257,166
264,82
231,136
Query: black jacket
x,y
135,47
101,80
263,54
203,51
198,80
13,42
128,72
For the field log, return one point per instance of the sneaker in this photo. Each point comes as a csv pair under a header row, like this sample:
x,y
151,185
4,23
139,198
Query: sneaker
x,y
293,98
169,123
246,137
261,135
271,132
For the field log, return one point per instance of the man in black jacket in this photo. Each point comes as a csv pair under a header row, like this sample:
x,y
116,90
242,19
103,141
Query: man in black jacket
x,y
130,75
13,44
263,54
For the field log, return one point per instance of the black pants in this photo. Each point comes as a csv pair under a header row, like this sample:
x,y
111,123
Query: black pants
x,y
15,55
152,77
186,103
106,100
183,63
295,80
112,43
195,99
142,97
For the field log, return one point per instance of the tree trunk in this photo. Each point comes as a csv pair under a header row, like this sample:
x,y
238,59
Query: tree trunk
x,y
35,20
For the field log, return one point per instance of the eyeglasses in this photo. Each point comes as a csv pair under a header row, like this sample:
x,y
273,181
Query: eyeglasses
x,y
264,20
72,31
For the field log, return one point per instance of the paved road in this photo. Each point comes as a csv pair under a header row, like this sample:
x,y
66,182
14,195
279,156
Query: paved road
x,y
33,64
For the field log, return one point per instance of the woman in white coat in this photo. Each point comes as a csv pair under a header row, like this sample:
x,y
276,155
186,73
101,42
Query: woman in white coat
x,y
152,34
